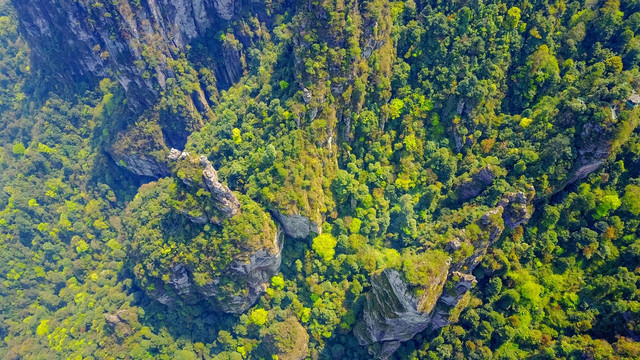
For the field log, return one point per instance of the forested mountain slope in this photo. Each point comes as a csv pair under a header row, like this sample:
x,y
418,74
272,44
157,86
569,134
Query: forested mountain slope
x,y
235,179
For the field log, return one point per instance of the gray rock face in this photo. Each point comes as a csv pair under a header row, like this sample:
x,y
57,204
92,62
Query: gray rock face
x,y
231,66
516,209
476,184
253,273
80,41
297,226
392,315
226,200
513,210
143,165
449,300
593,148
391,312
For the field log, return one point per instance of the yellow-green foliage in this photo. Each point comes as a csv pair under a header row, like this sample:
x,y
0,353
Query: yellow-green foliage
x,y
259,316
292,181
324,245
423,268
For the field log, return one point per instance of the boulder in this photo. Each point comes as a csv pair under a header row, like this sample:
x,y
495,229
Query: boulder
x,y
297,226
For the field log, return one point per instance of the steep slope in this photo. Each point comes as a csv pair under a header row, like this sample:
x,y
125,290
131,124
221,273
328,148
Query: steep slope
x,y
134,41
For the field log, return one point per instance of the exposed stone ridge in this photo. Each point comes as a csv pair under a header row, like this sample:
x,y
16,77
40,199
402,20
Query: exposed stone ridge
x,y
225,199
227,202
462,283
475,184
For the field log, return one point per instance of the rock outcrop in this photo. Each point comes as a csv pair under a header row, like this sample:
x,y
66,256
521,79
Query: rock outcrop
x,y
517,208
226,259
461,284
121,322
79,40
392,314
225,199
593,148
297,226
251,277
190,167
141,150
476,184
142,165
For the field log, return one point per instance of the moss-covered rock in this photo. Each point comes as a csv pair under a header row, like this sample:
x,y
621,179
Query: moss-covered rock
x,y
178,261
141,150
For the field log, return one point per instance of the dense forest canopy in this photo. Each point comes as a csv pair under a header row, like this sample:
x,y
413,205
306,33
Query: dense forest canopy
x,y
329,179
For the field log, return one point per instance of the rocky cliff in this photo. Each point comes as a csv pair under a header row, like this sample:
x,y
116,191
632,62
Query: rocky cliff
x,y
390,315
131,40
593,148
297,226
393,314
248,276
141,150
